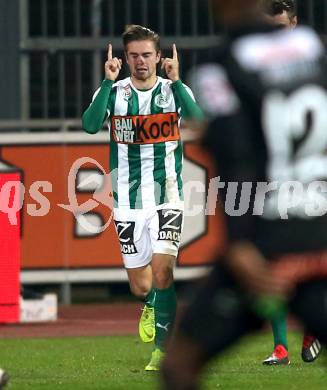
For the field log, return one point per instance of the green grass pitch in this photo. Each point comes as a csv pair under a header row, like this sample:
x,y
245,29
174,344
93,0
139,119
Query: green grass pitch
x,y
117,363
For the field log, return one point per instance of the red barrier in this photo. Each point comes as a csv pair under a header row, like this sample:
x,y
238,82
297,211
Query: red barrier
x,y
9,247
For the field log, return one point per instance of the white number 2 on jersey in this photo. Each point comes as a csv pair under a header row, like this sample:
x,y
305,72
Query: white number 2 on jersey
x,y
285,121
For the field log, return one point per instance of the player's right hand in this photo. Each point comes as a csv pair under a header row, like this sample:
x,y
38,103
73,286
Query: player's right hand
x,y
254,273
112,66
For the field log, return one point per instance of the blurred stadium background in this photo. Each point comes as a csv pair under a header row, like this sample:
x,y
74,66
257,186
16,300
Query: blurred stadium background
x,y
53,50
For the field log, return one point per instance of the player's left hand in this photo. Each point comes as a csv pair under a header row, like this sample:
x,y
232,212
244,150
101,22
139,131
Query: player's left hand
x,y
171,65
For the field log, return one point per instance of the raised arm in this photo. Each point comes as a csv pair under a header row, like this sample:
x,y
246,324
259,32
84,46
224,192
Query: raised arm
x,y
189,109
95,115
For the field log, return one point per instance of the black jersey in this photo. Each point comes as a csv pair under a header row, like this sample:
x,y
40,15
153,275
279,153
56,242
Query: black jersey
x,y
266,99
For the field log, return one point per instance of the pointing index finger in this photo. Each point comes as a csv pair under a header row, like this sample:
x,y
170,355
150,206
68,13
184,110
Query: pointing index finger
x,y
110,51
175,55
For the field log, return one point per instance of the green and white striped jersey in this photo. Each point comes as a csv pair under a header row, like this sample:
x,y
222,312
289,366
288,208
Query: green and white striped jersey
x,y
146,153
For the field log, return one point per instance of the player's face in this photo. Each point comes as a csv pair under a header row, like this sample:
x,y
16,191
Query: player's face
x,y
283,20
142,59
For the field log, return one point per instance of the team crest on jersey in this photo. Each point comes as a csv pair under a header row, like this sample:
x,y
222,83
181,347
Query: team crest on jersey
x,y
127,92
162,101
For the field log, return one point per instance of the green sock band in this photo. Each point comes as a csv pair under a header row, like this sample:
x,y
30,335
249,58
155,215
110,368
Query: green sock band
x,y
279,328
164,314
269,307
150,298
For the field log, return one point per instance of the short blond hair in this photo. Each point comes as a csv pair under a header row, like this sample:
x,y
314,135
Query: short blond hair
x,y
135,32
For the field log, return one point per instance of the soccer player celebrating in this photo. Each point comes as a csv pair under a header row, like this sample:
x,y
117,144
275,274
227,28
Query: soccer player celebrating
x,y
144,112
267,131
282,13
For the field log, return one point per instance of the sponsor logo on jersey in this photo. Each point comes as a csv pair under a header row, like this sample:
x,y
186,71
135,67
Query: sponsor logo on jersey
x,y
145,129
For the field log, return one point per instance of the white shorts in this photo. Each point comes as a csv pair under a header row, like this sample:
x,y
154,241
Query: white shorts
x,y
142,233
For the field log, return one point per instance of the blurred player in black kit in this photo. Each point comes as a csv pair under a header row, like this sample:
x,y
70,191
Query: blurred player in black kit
x,y
265,96
283,14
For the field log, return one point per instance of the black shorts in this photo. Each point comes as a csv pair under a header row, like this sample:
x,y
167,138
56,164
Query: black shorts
x,y
221,312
